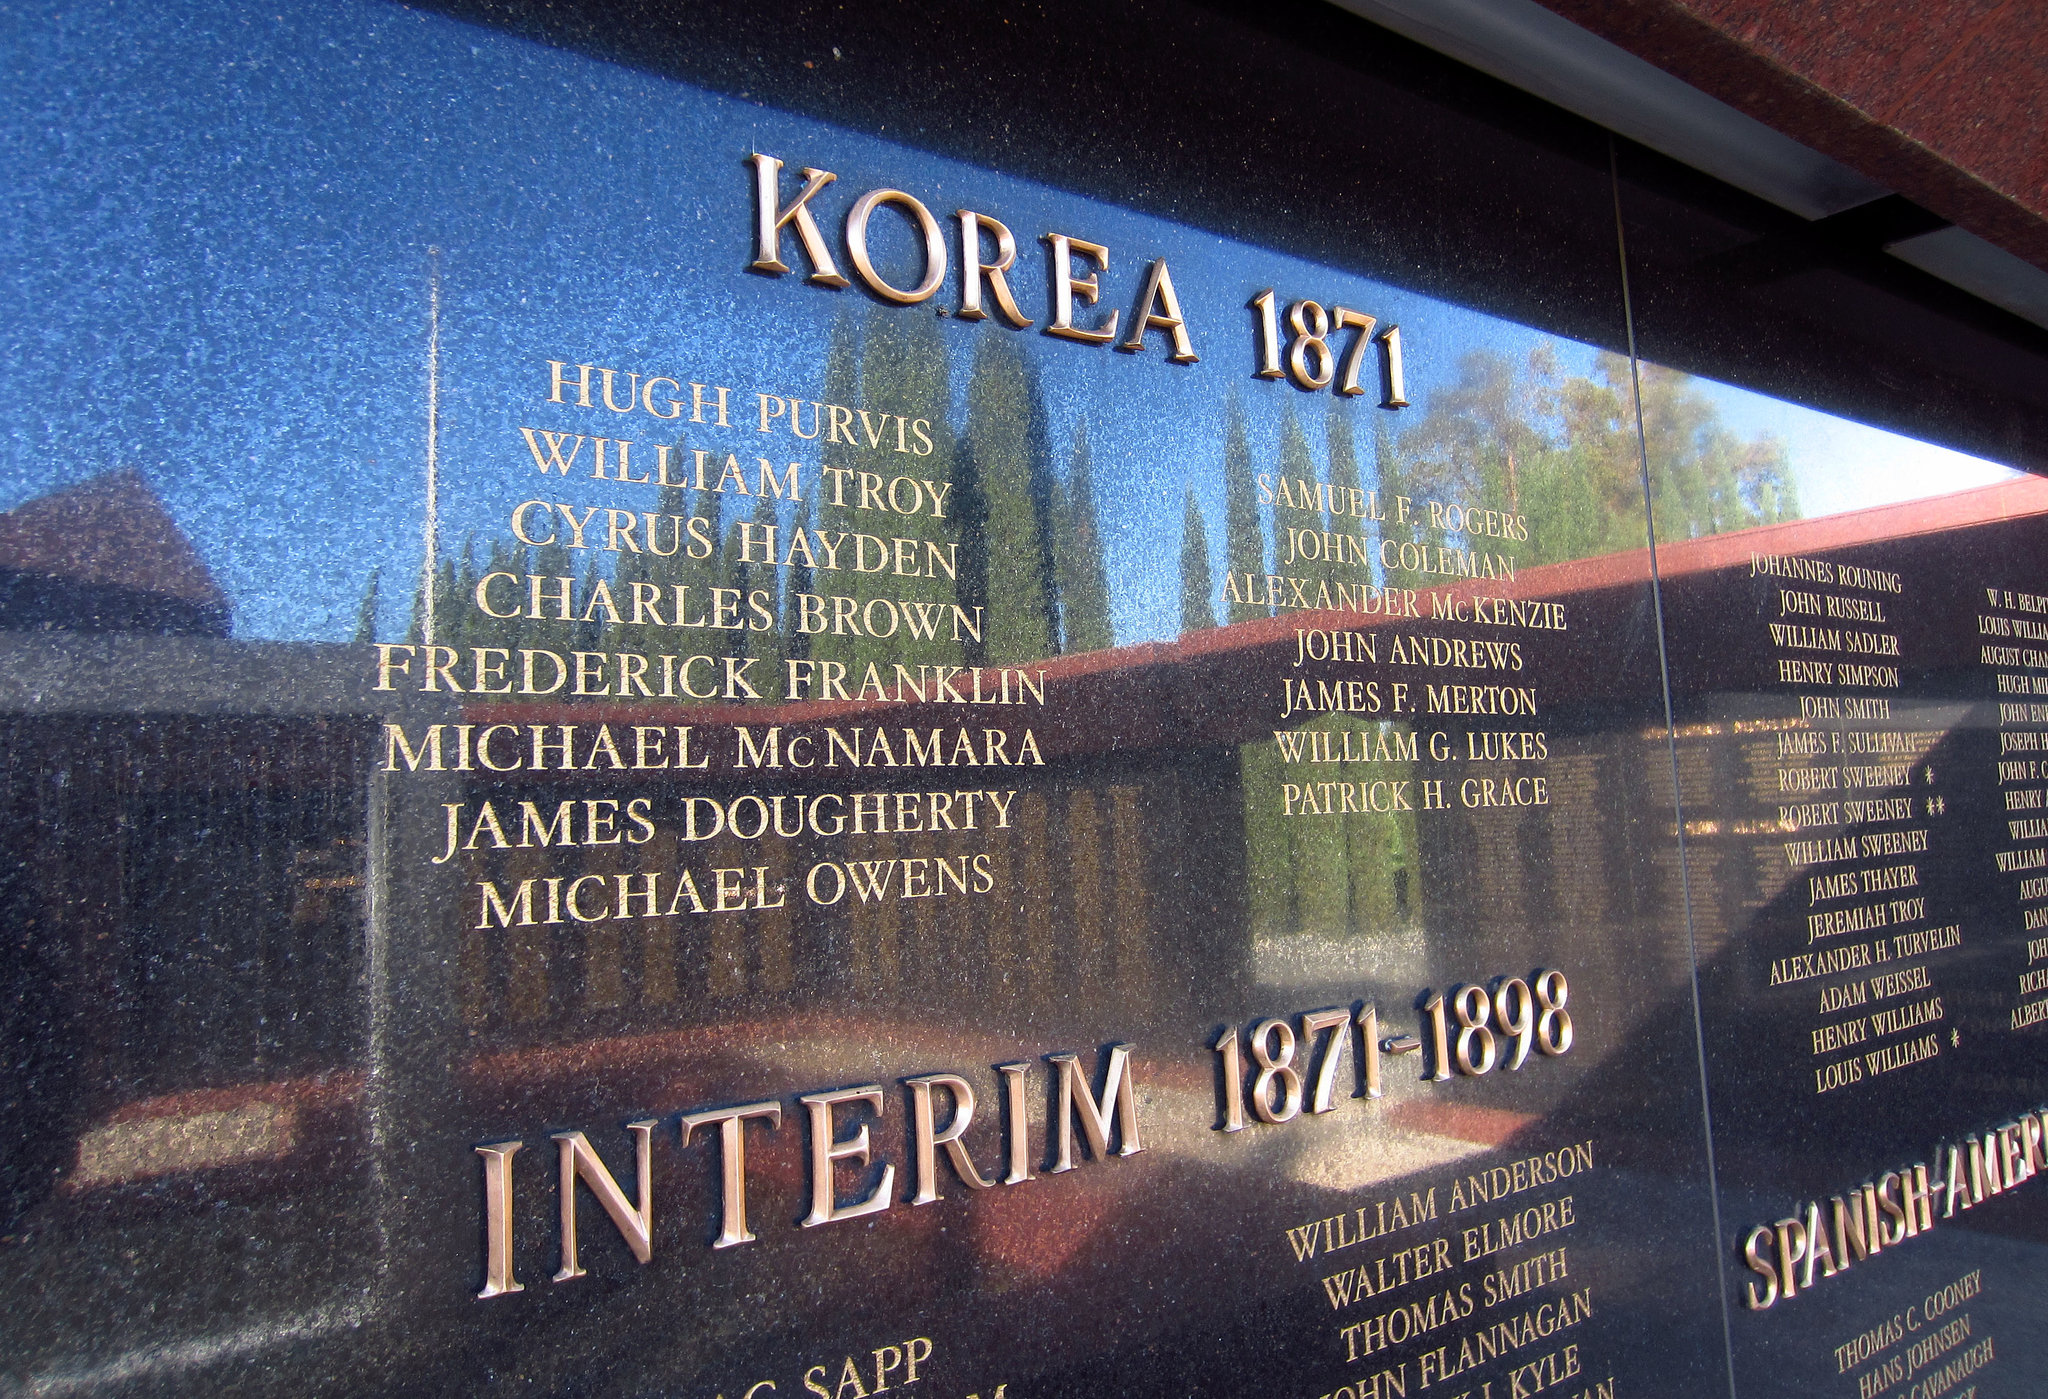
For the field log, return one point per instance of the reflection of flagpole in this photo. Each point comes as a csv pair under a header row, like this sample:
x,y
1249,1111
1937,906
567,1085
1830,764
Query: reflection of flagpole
x,y
432,524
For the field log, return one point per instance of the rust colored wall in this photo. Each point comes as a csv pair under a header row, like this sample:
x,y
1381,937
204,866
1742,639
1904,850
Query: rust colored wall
x,y
1944,101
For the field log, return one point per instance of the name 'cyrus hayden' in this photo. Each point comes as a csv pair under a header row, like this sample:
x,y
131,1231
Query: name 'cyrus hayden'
x,y
1823,1240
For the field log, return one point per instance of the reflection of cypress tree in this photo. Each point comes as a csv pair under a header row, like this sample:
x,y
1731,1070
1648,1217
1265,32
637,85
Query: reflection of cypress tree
x,y
842,386
555,568
692,565
1388,478
734,575
1055,518
1343,452
1083,574
446,619
970,512
1333,877
1269,864
415,626
457,607
590,635
905,371
1004,434
1047,503
366,615
632,566
1297,466
506,633
928,394
884,368
1343,479
796,645
1352,873
1342,876
1384,868
1196,587
1244,537
668,557
750,578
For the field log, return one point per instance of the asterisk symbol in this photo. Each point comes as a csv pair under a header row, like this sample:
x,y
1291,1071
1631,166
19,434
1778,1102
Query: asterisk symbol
x,y
1955,1037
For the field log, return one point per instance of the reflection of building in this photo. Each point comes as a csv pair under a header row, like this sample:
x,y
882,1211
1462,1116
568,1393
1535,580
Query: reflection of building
x,y
93,836
105,556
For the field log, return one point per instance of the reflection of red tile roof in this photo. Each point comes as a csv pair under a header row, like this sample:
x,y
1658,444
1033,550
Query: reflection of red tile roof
x,y
1878,524
1200,686
112,530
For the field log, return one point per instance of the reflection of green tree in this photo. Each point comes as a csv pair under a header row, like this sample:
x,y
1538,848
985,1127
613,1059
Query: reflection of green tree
x,y
1030,547
796,645
842,385
479,629
1296,465
666,564
1516,436
1244,535
1561,450
1388,478
1343,470
1338,876
1004,475
1703,479
1197,588
1083,575
366,614
904,371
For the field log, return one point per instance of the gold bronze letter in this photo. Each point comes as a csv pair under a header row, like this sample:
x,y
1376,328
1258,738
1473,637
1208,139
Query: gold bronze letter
x,y
826,1152
1065,284
1756,1251
1159,307
498,1278
1020,1123
771,216
732,1142
934,245
973,269
634,1223
1119,1097
928,1140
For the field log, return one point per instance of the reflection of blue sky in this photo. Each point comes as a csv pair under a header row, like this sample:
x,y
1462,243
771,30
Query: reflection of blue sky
x,y
223,213
1843,465
220,216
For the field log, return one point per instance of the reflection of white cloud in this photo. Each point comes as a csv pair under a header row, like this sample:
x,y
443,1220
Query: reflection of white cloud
x,y
1843,465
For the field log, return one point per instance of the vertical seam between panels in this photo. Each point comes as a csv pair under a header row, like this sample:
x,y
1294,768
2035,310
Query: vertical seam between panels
x,y
1671,748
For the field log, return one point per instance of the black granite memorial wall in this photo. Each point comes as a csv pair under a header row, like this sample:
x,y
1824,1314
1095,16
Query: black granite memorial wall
x,y
1162,699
